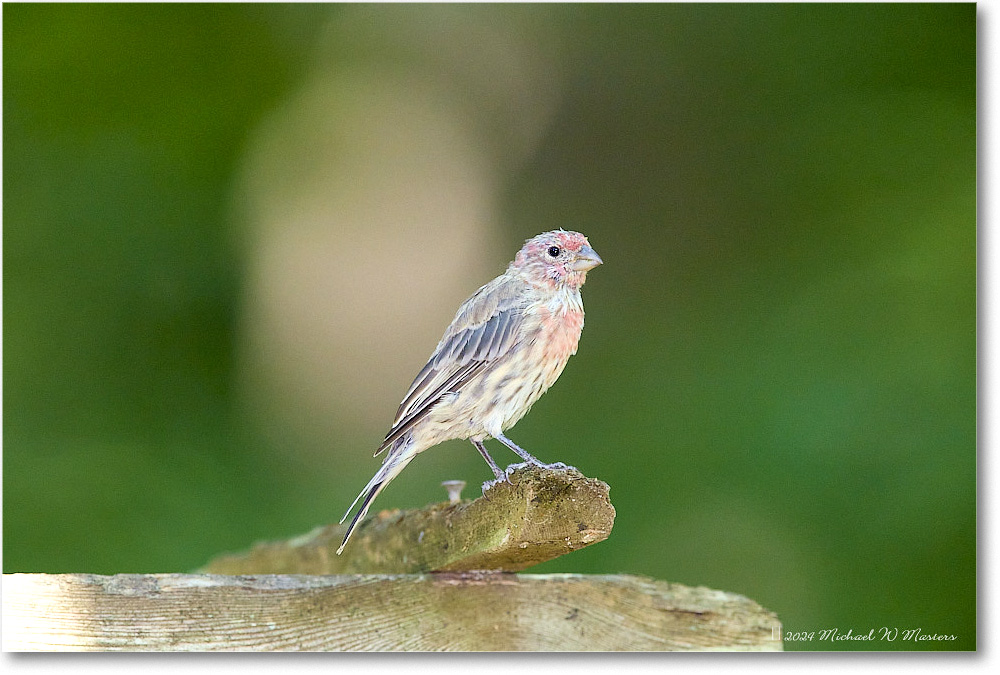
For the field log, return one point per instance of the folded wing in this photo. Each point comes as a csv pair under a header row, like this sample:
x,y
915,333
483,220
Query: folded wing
x,y
485,328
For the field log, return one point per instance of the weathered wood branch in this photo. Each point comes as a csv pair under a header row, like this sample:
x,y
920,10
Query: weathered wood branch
x,y
390,606
536,516
452,611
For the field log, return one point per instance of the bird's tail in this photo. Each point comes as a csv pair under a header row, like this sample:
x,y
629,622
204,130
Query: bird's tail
x,y
394,462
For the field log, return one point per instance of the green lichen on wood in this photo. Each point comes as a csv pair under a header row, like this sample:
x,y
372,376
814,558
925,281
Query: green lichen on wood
x,y
536,516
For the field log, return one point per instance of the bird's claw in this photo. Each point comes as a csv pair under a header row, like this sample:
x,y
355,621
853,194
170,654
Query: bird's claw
x,y
512,468
499,479
555,466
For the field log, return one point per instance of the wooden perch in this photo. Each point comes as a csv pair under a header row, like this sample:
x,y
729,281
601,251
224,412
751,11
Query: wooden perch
x,y
466,611
539,515
390,603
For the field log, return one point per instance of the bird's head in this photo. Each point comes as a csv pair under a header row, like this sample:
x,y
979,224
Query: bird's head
x,y
557,258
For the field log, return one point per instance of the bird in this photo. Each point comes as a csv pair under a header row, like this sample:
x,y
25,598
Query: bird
x,y
507,344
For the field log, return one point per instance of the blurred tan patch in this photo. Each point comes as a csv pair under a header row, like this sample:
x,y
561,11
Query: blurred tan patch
x,y
370,198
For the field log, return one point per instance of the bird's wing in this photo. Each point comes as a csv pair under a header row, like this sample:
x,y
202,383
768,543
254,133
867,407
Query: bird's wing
x,y
485,327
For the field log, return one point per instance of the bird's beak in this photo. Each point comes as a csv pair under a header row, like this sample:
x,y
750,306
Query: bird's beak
x,y
586,259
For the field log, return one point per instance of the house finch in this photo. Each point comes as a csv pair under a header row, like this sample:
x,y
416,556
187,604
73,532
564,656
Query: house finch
x,y
506,345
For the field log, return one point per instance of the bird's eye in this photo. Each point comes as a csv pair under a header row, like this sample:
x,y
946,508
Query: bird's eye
x,y
554,251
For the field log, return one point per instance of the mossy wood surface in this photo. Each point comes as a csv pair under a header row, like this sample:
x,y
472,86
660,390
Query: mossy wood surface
x,y
536,516
379,596
470,611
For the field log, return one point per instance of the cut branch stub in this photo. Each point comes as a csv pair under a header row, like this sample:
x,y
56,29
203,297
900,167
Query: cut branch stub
x,y
536,516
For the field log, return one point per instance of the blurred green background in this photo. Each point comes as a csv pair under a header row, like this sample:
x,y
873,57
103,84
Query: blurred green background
x,y
778,373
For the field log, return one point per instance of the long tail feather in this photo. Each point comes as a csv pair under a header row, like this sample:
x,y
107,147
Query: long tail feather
x,y
393,464
367,489
360,514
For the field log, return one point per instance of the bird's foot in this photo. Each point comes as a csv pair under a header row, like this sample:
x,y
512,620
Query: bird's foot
x,y
513,468
520,465
555,466
504,478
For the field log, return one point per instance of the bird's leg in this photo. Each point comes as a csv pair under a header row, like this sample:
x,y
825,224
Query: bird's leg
x,y
497,471
527,456
500,474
